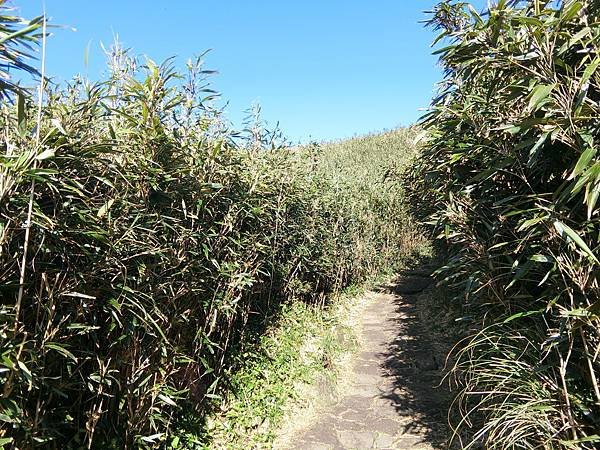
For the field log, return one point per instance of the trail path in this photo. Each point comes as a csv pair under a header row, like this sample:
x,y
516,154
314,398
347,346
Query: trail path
x,y
392,401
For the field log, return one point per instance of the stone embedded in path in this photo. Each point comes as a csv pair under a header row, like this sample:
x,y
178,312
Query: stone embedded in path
x,y
356,439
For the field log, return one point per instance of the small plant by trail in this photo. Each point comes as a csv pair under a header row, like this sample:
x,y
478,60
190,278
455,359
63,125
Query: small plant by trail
x,y
510,178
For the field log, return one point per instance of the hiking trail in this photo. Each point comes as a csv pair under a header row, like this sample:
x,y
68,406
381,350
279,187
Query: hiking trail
x,y
393,399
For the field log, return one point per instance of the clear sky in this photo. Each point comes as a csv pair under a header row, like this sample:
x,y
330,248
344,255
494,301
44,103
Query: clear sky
x,y
323,69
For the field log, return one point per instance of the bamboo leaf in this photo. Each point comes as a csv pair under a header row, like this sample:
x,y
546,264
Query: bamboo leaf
x,y
565,230
589,71
540,96
46,154
105,208
583,161
61,349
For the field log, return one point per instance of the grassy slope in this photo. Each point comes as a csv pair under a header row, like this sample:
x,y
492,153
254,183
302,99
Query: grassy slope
x,y
279,375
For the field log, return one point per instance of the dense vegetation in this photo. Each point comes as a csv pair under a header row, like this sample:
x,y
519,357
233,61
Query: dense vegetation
x,y
510,178
143,242
274,377
158,268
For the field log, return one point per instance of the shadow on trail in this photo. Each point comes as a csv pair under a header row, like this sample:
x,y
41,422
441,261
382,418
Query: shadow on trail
x,y
413,361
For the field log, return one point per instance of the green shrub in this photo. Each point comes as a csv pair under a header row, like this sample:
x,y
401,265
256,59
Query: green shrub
x,y
510,177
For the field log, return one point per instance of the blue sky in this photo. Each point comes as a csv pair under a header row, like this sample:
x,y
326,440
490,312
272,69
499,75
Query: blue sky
x,y
323,69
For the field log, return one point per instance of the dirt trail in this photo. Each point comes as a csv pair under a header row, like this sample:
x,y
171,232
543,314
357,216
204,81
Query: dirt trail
x,y
392,401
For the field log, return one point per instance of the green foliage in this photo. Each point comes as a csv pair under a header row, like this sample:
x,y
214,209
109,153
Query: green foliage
x,y
273,373
155,242
509,177
18,39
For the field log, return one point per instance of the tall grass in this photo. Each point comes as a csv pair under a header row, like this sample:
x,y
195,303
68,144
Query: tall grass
x,y
276,373
509,178
159,238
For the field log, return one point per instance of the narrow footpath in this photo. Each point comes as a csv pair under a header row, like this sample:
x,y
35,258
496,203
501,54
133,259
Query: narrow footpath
x,y
393,400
